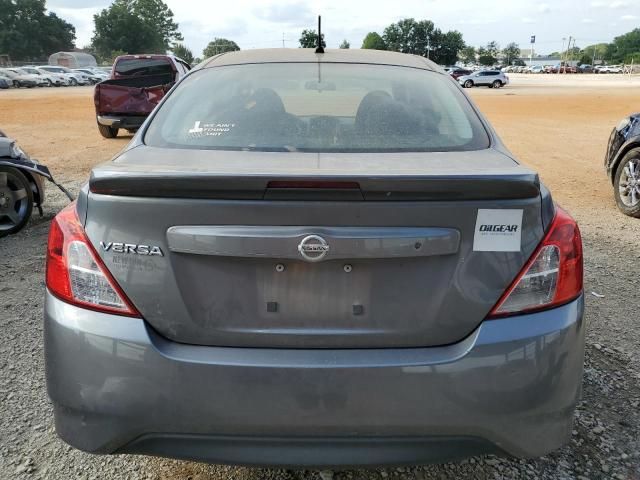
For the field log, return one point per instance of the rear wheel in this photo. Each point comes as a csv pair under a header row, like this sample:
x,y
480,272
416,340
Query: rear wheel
x,y
627,184
74,82
16,200
107,131
468,84
16,84
496,84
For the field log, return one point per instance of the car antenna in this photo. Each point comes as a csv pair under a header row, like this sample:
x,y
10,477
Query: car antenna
x,y
319,48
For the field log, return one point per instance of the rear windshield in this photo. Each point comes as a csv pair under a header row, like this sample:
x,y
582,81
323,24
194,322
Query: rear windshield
x,y
136,67
319,108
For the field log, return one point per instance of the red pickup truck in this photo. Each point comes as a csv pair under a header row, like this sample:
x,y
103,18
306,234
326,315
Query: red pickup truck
x,y
137,84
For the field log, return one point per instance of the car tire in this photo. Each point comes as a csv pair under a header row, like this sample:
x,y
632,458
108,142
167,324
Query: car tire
x,y
16,200
74,82
496,84
468,84
16,84
630,164
108,132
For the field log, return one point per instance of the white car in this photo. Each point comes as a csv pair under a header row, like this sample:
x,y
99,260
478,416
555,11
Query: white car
x,y
487,78
74,77
94,76
40,81
609,69
51,79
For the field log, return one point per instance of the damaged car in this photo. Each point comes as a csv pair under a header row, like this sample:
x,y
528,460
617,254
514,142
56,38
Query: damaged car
x,y
22,186
622,164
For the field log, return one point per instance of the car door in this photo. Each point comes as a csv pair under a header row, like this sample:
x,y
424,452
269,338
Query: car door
x,y
482,79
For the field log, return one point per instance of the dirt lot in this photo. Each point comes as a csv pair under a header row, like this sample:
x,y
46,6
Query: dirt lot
x,y
559,125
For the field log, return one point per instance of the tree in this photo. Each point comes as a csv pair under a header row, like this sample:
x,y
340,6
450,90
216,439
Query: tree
x,y
160,16
345,44
181,51
373,41
28,33
625,47
446,46
219,45
134,26
309,39
511,53
591,53
468,55
487,56
423,38
409,36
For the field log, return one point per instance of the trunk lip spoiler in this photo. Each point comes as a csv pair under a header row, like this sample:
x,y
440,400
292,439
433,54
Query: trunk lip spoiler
x,y
489,186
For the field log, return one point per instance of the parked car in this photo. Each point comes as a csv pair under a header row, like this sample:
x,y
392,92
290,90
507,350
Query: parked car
x,y
22,186
622,164
585,68
19,79
74,78
536,69
62,79
566,69
94,75
459,72
137,84
609,69
485,78
41,81
289,266
47,78
87,78
5,82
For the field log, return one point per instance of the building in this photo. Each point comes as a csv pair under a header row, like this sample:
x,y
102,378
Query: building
x,y
72,59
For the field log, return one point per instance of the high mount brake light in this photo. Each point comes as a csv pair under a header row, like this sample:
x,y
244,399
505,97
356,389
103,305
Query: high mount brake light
x,y
75,272
553,274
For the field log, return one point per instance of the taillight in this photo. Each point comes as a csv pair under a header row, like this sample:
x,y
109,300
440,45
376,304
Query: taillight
x,y
553,274
75,272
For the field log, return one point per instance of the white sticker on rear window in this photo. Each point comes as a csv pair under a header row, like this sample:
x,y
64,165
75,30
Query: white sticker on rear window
x,y
497,231
210,129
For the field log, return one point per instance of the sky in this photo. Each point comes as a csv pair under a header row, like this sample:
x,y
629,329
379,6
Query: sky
x,y
266,23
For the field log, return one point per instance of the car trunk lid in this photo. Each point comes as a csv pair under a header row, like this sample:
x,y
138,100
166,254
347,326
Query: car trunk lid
x,y
314,250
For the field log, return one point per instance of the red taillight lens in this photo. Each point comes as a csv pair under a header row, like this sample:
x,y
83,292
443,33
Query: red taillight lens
x,y
553,274
76,274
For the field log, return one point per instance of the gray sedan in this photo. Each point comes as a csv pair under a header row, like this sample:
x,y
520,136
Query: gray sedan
x,y
314,259
484,78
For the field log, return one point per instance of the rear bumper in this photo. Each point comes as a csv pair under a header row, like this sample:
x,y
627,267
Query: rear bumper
x,y
511,387
132,122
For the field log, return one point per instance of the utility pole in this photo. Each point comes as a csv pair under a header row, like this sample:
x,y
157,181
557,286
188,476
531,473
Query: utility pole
x,y
564,69
428,46
282,39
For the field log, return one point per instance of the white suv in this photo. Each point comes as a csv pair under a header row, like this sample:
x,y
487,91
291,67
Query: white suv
x,y
75,78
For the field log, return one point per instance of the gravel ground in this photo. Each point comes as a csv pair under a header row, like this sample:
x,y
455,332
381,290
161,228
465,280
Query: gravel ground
x,y
606,437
